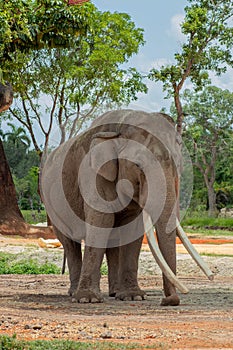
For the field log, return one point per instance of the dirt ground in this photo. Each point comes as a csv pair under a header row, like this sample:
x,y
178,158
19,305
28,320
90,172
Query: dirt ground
x,y
38,307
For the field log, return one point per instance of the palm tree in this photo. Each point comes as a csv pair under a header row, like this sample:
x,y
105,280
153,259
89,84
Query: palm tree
x,y
17,136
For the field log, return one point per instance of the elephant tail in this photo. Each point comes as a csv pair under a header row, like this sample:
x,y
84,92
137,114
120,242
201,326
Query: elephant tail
x,y
64,264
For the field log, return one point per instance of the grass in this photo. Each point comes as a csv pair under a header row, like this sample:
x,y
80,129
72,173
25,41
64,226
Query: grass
x,y
207,232
217,255
33,217
12,264
12,343
206,222
207,226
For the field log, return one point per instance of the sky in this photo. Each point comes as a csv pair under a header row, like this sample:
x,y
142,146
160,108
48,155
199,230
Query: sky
x,y
160,20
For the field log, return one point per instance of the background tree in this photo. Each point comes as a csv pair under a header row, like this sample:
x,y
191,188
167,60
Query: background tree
x,y
29,29
25,26
208,47
208,132
27,193
16,145
65,87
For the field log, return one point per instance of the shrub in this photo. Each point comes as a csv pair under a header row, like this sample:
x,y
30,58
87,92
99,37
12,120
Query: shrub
x,y
11,264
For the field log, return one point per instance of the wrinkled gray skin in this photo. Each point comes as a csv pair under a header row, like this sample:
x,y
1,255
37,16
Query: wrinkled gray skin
x,y
123,260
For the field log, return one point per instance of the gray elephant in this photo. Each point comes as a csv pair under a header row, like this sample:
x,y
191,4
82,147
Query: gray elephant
x,y
100,186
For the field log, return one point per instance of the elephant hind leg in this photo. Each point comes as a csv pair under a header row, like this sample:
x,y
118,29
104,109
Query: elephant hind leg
x,y
73,255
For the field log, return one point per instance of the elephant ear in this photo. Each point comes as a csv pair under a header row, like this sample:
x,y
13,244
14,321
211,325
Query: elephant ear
x,y
104,155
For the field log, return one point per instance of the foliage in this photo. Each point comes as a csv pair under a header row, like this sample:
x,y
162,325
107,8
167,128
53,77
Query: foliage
x,y
12,264
208,135
71,72
208,47
24,165
104,269
16,146
27,190
12,343
27,25
34,216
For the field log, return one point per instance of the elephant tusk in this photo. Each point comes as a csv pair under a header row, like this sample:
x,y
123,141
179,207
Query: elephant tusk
x,y
149,229
192,251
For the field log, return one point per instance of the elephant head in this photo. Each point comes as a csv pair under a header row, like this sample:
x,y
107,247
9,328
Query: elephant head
x,y
141,161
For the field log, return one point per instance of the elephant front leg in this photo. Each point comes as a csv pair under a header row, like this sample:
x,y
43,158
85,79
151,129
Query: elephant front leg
x,y
88,290
98,228
112,255
128,269
167,245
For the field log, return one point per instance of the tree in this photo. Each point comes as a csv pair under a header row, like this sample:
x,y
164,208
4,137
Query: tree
x,y
17,136
30,29
25,26
8,200
208,47
16,144
75,82
28,25
26,189
208,131
9,210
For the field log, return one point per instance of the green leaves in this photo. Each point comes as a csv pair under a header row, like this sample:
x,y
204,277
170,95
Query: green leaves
x,y
67,63
27,24
208,47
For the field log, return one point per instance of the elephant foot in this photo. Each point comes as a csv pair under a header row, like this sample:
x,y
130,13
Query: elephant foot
x,y
128,295
87,296
72,290
171,300
112,292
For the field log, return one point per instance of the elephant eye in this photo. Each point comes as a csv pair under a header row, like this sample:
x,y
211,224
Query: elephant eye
x,y
139,166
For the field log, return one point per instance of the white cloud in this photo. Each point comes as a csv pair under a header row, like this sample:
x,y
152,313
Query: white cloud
x,y
175,30
225,81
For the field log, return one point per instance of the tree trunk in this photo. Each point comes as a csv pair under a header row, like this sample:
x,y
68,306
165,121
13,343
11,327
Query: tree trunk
x,y
179,110
211,201
6,96
8,200
11,219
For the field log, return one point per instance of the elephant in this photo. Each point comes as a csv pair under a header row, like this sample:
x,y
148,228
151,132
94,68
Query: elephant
x,y
100,186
